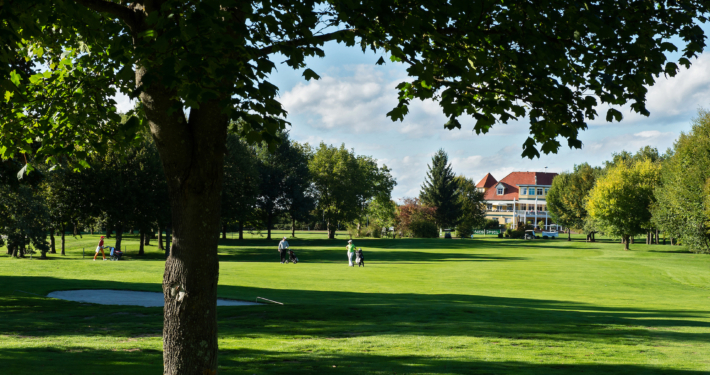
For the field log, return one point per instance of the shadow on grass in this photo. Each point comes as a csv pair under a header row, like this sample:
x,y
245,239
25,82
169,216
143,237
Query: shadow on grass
x,y
326,314
138,361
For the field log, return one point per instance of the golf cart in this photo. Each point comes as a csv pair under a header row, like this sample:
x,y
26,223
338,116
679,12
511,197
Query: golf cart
x,y
530,234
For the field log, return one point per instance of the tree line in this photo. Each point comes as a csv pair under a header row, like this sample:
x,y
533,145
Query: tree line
x,y
125,189
646,193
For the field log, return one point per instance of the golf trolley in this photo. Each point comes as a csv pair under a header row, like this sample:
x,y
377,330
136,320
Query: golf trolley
x,y
292,257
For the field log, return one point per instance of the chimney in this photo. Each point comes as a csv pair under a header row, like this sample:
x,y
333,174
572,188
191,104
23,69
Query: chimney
x,y
535,178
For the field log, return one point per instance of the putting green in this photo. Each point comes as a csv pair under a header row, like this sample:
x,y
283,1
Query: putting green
x,y
488,306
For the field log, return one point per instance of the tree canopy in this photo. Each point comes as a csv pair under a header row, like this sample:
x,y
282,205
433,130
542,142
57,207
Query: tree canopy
x,y
567,198
621,200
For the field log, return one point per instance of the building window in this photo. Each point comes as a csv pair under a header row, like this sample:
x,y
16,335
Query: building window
x,y
490,207
523,206
531,191
509,207
539,191
547,191
500,191
507,221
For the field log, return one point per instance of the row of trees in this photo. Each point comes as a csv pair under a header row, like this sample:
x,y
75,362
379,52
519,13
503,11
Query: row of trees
x,y
642,193
126,189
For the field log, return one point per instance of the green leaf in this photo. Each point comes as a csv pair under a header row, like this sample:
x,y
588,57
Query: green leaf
x,y
452,123
612,114
308,73
15,78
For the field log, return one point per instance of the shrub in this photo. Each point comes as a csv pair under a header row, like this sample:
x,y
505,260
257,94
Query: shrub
x,y
545,237
464,231
500,235
538,237
423,229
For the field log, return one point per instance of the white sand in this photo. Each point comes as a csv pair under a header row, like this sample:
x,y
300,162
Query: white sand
x,y
127,297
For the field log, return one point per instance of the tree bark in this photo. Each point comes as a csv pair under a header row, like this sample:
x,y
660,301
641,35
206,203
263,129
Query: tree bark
x,y
625,239
224,232
657,241
147,236
293,227
241,230
119,235
141,247
569,234
64,242
160,238
192,153
268,227
52,242
331,231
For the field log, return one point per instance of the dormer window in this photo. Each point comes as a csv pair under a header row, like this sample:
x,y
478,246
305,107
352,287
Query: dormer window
x,y
500,191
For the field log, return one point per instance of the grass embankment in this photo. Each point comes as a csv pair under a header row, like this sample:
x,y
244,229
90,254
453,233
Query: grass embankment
x,y
488,306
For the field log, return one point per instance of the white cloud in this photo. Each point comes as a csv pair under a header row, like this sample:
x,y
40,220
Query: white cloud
x,y
124,103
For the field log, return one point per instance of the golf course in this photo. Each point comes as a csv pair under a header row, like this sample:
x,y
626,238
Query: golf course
x,y
482,306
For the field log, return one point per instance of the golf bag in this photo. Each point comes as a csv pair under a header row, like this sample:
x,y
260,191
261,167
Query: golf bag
x,y
116,254
359,258
292,257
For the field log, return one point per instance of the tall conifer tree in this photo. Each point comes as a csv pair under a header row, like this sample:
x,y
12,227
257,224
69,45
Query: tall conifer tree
x,y
439,190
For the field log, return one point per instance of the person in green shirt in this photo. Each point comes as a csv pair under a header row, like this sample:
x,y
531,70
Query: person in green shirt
x,y
351,251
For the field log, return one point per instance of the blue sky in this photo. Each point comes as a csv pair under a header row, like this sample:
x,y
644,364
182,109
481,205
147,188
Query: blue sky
x,y
348,105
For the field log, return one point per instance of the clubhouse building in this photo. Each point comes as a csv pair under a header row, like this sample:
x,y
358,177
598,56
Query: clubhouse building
x,y
518,198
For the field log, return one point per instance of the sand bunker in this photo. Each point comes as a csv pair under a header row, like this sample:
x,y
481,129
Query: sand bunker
x,y
127,297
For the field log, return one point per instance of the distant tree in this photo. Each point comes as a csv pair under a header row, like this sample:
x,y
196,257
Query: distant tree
x,y
284,181
621,200
683,207
298,193
440,191
473,209
241,185
344,183
568,194
382,213
411,214
23,212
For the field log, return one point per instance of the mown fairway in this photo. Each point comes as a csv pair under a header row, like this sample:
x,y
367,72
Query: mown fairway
x,y
483,306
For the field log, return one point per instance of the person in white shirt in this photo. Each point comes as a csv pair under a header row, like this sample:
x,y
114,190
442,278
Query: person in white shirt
x,y
283,249
351,251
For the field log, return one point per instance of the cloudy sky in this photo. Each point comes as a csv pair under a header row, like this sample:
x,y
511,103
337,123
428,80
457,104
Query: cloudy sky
x,y
348,105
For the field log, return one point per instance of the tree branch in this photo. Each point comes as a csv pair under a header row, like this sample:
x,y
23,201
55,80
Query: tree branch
x,y
121,12
304,41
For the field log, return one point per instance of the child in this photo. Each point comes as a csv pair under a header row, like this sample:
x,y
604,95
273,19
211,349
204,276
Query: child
x,y
360,259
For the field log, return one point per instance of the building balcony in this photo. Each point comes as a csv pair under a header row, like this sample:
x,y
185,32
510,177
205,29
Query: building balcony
x,y
531,213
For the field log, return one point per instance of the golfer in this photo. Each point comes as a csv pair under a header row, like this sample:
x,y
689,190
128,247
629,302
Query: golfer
x,y
100,248
351,251
283,249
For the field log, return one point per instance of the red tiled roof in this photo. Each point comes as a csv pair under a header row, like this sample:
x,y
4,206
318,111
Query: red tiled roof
x,y
487,181
513,180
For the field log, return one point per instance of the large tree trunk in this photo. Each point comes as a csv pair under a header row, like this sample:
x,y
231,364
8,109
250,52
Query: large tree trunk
x,y
293,227
52,242
160,238
147,236
64,242
224,232
569,234
657,241
625,240
192,154
119,235
141,249
268,227
241,230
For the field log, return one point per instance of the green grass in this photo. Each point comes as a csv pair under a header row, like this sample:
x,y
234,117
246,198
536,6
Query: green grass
x,y
483,306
